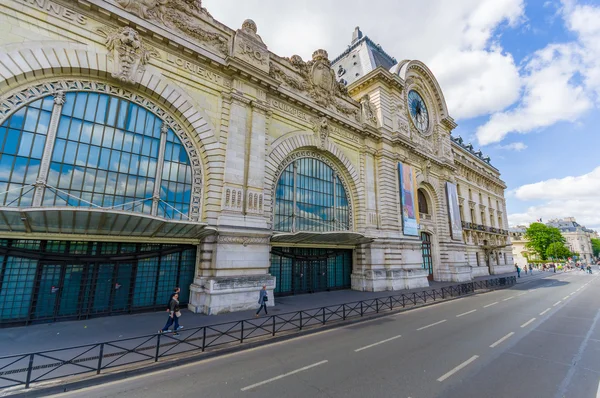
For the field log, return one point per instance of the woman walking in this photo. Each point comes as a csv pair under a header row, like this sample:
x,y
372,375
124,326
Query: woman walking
x,y
174,314
262,300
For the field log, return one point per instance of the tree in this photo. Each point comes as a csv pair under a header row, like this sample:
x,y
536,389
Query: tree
x,y
596,247
540,236
558,250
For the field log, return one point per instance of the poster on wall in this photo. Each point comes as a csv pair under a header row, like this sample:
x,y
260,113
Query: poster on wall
x,y
408,199
453,211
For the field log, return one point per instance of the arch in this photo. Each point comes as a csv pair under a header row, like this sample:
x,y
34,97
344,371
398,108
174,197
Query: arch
x,y
306,145
423,202
37,72
404,69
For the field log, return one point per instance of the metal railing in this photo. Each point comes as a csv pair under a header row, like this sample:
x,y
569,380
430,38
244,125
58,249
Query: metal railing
x,y
25,369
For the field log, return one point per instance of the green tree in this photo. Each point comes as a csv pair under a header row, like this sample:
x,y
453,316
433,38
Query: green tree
x,y
596,247
558,250
540,236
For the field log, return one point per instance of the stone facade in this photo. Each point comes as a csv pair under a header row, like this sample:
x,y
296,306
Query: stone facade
x,y
243,114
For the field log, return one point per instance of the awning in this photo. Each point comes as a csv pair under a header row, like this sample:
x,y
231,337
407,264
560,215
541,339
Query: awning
x,y
330,238
93,221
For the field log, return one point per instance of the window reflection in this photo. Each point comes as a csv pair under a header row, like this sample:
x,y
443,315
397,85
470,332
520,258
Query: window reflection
x,y
310,199
105,152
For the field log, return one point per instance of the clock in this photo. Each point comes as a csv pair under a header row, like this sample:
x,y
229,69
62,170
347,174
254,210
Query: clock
x,y
418,111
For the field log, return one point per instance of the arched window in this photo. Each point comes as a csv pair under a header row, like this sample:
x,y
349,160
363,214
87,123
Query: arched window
x,y
108,152
310,197
423,208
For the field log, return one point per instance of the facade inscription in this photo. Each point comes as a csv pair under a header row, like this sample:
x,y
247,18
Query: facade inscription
x,y
197,69
58,10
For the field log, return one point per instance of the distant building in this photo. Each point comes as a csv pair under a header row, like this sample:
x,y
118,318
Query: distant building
x,y
578,240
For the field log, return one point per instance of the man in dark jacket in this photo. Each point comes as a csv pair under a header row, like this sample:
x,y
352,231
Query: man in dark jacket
x,y
175,291
262,300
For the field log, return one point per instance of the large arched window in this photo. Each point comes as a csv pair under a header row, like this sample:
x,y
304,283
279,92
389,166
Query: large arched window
x,y
108,152
310,197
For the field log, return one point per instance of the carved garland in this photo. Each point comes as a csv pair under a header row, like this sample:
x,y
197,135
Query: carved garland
x,y
310,154
12,103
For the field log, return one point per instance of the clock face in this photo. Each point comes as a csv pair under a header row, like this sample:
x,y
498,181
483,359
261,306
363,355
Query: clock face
x,y
418,111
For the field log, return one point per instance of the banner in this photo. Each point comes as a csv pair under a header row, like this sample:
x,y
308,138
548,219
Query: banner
x,y
453,211
408,200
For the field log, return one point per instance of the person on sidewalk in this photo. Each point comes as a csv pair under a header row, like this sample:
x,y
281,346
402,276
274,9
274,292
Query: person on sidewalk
x,y
174,314
525,268
262,300
175,291
518,270
531,269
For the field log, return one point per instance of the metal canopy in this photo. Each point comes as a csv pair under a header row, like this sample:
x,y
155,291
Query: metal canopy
x,y
92,221
332,238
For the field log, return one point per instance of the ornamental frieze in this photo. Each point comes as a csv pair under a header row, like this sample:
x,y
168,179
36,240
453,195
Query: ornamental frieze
x,y
317,79
185,16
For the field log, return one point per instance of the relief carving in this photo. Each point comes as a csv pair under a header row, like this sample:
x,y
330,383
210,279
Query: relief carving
x,y
248,45
185,16
128,52
321,129
317,79
368,111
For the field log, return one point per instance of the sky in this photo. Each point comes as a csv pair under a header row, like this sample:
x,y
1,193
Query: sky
x,y
521,78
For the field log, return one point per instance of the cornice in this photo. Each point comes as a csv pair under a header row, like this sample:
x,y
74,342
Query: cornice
x,y
378,74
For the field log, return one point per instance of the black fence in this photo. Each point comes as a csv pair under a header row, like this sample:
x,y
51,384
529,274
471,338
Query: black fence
x,y
25,369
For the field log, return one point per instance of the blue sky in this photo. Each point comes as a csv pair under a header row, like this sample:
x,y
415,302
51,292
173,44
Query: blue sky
x,y
521,78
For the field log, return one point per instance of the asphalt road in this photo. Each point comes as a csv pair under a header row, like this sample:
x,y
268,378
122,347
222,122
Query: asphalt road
x,y
540,339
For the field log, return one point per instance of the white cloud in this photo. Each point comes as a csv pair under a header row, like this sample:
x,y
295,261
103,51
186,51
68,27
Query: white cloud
x,y
456,39
515,146
561,81
576,196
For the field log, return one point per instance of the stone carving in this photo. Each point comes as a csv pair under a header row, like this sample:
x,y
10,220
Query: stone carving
x,y
426,167
248,45
321,129
186,16
243,240
317,79
368,111
128,52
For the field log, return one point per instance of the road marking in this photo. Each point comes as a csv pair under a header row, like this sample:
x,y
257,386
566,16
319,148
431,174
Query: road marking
x,y
284,375
566,297
598,392
557,303
379,342
459,367
528,322
502,339
572,294
519,295
546,310
509,298
465,313
489,305
433,324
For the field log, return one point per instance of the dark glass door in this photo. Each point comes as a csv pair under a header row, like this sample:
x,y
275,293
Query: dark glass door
x,y
122,287
427,258
48,289
70,290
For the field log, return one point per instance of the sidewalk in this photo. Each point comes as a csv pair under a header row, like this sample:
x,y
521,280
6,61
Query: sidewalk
x,y
49,336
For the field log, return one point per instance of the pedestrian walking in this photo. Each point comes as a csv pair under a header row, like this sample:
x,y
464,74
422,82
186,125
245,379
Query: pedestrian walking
x,y
518,271
176,290
525,268
531,269
174,314
262,300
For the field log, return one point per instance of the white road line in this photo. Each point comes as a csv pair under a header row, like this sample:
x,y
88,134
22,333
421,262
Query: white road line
x,y
465,313
433,324
459,367
284,375
509,298
489,305
379,342
502,339
528,322
546,310
557,303
598,392
566,297
518,295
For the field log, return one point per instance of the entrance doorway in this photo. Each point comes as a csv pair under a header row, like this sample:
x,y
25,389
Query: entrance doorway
x,y
310,270
426,251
